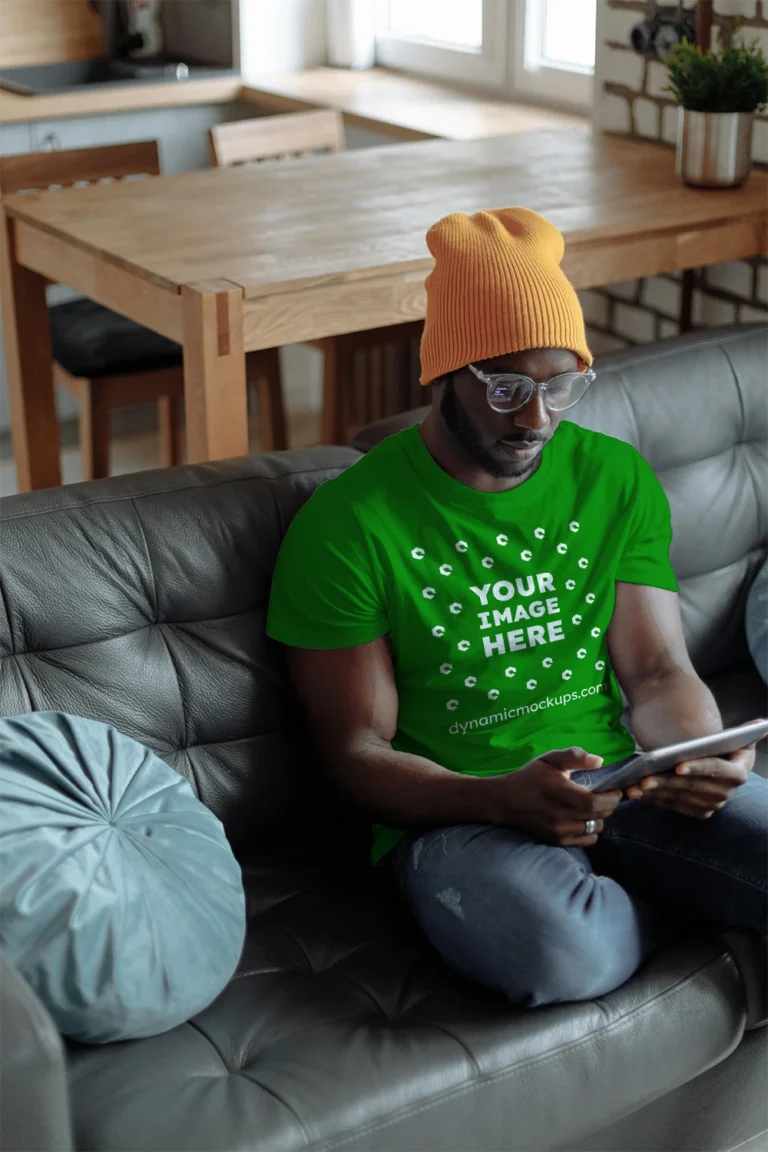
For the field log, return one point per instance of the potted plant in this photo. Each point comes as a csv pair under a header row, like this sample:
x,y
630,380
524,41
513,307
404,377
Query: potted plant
x,y
718,93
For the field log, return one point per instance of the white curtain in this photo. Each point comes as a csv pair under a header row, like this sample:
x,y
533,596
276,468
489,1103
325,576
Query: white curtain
x,y
351,33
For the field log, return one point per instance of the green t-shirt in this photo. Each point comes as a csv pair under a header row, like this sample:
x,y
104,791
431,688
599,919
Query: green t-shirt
x,y
496,604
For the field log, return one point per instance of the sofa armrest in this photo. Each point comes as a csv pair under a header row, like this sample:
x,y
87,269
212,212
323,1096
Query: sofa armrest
x,y
33,1078
750,951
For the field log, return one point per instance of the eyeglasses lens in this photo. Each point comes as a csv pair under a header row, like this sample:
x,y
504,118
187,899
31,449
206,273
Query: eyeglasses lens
x,y
562,392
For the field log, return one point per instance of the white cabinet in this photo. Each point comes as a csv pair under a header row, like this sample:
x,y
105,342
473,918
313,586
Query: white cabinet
x,y
182,133
15,138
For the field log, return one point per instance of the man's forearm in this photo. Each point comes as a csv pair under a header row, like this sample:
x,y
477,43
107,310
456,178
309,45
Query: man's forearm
x,y
406,791
672,707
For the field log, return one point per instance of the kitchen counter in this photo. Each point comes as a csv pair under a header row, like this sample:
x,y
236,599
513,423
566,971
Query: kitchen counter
x,y
407,107
401,106
94,99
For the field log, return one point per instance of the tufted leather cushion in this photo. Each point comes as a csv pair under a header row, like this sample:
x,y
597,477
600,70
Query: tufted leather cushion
x,y
90,340
141,602
344,1030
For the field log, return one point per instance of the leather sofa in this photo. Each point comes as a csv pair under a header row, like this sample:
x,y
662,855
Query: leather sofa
x,y
141,601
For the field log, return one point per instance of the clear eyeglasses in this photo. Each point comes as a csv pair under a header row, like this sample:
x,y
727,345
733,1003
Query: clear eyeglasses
x,y
506,392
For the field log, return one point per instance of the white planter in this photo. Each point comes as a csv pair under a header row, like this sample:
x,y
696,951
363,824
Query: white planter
x,y
351,33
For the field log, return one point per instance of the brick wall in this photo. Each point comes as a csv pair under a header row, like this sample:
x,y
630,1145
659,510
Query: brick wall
x,y
629,98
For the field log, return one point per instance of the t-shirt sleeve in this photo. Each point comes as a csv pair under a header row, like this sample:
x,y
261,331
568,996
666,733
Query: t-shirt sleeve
x,y
645,556
325,593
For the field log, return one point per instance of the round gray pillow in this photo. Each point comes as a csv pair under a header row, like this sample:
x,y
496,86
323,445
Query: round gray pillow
x,y
121,901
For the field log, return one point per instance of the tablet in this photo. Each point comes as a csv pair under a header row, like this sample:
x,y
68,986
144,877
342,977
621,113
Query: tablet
x,y
643,764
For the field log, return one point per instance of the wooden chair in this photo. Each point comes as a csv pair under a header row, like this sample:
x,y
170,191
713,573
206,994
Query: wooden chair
x,y
278,138
101,358
105,360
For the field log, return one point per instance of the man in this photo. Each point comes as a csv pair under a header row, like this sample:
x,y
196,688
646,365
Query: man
x,y
460,608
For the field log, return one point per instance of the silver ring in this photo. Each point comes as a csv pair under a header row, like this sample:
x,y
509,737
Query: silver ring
x,y
590,827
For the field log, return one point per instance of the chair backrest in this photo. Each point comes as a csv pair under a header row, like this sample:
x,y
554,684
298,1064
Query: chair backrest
x,y
37,171
277,137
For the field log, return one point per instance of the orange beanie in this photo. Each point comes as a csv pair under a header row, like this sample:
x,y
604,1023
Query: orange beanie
x,y
497,287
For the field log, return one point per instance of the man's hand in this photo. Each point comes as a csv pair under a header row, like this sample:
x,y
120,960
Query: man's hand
x,y
697,788
542,800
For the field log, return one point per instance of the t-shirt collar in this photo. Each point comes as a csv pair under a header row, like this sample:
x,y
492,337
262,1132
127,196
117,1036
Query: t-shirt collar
x,y
447,489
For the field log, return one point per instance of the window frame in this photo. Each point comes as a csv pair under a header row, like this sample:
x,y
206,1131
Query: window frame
x,y
482,68
537,80
514,32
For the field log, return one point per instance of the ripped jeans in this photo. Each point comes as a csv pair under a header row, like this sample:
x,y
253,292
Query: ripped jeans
x,y
545,924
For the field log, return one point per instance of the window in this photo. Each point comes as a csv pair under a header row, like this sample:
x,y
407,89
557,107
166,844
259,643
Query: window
x,y
461,40
540,49
461,22
554,49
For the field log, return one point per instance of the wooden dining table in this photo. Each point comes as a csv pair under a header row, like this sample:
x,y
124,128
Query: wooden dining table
x,y
229,261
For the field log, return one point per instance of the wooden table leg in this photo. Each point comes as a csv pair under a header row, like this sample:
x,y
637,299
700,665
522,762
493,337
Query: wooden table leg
x,y
27,337
214,371
170,430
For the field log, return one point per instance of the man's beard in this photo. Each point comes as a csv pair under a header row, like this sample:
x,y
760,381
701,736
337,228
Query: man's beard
x,y
467,435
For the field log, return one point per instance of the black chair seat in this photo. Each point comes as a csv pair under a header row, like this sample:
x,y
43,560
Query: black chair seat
x,y
89,340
